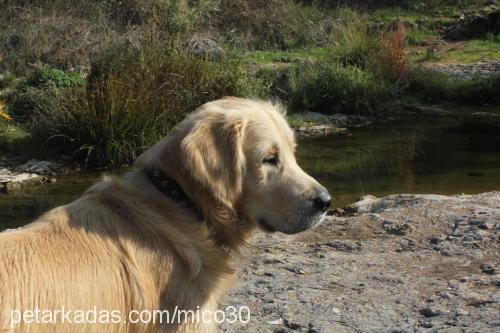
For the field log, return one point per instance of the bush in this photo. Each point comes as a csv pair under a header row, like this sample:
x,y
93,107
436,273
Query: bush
x,y
130,103
356,44
332,87
279,81
49,77
389,62
431,87
13,139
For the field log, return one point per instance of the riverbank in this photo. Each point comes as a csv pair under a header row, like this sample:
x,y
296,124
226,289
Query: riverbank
x,y
400,263
418,124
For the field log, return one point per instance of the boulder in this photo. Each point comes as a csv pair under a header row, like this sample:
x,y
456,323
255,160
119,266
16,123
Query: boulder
x,y
205,47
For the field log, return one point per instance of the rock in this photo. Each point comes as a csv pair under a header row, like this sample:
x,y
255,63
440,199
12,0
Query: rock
x,y
475,24
40,167
429,312
487,268
275,322
485,68
205,47
347,246
315,130
10,181
487,225
33,172
395,228
362,206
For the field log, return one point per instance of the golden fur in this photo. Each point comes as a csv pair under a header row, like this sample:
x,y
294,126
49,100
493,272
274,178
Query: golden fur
x,y
124,245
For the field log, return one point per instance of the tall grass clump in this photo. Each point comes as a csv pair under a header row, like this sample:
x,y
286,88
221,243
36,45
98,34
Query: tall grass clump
x,y
355,42
130,103
390,60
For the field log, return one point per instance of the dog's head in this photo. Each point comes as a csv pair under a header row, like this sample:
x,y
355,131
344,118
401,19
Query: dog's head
x,y
236,156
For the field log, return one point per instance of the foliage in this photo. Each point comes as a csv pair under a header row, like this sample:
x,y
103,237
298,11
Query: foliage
x,y
279,81
334,87
433,87
131,103
49,77
390,60
12,138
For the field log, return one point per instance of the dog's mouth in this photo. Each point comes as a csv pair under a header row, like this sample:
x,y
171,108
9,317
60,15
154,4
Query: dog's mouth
x,y
266,226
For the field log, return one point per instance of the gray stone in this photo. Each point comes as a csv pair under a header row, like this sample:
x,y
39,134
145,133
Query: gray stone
x,y
205,47
396,228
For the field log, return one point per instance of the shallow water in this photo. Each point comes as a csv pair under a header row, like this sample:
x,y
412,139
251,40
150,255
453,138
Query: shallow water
x,y
421,155
439,156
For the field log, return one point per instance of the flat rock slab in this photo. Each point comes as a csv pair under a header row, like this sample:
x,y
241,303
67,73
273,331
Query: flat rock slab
x,y
33,172
10,181
354,273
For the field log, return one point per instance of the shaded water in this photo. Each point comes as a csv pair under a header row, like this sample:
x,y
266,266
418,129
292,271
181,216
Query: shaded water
x,y
415,156
440,156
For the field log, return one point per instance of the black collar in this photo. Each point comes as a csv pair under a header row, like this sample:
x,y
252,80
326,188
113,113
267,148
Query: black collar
x,y
168,186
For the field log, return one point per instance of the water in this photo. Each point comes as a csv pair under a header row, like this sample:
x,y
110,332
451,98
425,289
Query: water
x,y
416,156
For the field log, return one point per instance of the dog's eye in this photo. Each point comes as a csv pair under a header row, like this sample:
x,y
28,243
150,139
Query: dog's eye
x,y
272,159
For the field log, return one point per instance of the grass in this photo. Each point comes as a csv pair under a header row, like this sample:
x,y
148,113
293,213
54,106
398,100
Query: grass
x,y
434,87
13,139
330,88
461,52
130,103
101,81
280,56
474,50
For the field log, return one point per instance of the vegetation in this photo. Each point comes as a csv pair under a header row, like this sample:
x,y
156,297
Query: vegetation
x,y
131,104
102,80
435,87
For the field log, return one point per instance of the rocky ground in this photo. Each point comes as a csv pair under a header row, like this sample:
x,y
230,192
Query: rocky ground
x,y
483,68
403,263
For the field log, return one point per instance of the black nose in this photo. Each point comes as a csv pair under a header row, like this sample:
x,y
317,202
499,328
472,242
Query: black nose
x,y
322,201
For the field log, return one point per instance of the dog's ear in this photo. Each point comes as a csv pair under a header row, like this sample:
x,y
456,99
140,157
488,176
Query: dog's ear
x,y
212,155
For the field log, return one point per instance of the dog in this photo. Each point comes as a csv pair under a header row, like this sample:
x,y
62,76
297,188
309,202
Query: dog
x,y
162,237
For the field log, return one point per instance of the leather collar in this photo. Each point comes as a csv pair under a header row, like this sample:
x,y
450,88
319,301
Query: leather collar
x,y
168,186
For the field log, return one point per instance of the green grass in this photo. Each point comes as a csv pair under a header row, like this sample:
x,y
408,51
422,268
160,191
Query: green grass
x,y
475,50
415,37
13,138
462,52
333,87
50,77
279,56
434,87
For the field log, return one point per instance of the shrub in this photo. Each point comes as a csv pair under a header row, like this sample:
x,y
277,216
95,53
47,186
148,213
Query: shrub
x,y
431,86
390,61
49,77
356,44
279,81
130,103
332,87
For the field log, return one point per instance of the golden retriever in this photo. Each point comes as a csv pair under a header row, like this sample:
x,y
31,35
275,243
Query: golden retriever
x,y
161,237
